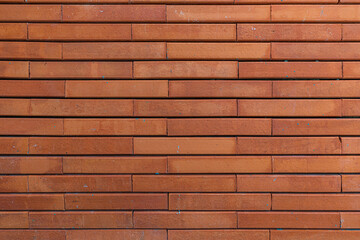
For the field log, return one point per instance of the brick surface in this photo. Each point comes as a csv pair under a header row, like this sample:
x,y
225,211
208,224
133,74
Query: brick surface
x,y
218,234
13,31
10,220
31,126
314,234
10,184
31,202
30,13
113,234
13,145
350,220
31,88
30,165
14,69
31,234
30,50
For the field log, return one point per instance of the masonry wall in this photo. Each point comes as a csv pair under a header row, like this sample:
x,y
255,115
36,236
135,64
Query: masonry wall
x,y
179,119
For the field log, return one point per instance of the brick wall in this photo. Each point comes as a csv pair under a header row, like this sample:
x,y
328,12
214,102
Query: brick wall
x,y
179,119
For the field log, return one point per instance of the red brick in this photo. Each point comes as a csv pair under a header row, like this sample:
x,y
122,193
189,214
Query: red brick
x,y
218,234
30,165
184,183
217,13
13,31
87,107
288,32
349,1
315,202
290,70
219,126
83,183
184,32
316,89
351,70
314,235
350,145
116,89
215,201
290,107
218,51
283,1
149,126
219,164
114,164
316,164
220,89
113,13
13,145
31,88
31,126
80,145
314,51
14,107
114,51
30,50
351,32
184,145
185,108
176,220
32,234
14,69
10,184
116,201
350,183
350,220
13,220
186,69
350,107
79,70
315,13
30,13
78,1
185,1
80,220
306,220
316,127
288,145
11,202
288,183
117,234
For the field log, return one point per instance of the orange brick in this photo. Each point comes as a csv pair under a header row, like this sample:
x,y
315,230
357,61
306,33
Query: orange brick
x,y
114,164
32,234
218,13
316,164
83,183
117,234
80,145
149,126
315,51
184,32
351,32
10,184
186,69
176,220
116,201
13,220
114,51
31,88
79,70
15,107
314,235
184,183
218,126
184,145
351,70
350,220
218,234
288,145
30,165
78,1
350,183
219,89
283,1
288,183
31,126
293,108
80,220
290,70
218,51
116,89
13,145
14,69
350,145
316,89
79,32
316,127
31,202
30,50
30,13
185,1
217,164
215,201
349,1
185,108
13,31
306,220
87,107
315,13
113,13
288,32
316,202
350,107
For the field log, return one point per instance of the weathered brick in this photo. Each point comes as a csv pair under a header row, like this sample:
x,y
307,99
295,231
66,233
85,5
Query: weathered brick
x,y
13,145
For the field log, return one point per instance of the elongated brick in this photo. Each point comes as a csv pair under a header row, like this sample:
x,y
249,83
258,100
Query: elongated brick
x,y
32,88
10,220
14,69
30,13
31,202
125,234
218,234
31,126
13,31
30,165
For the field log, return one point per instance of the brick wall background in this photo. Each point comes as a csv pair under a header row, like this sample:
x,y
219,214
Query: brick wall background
x,y
179,119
